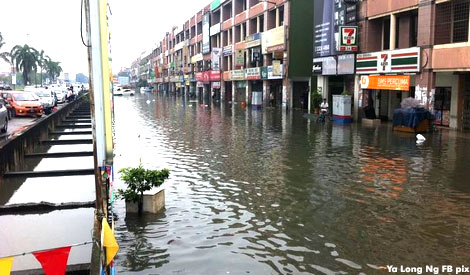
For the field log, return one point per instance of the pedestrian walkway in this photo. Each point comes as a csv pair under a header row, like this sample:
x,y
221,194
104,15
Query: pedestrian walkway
x,y
49,202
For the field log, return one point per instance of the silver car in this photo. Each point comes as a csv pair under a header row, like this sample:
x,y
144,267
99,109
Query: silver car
x,y
3,117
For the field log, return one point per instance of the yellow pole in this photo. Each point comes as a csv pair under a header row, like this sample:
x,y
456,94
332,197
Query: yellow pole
x,y
103,11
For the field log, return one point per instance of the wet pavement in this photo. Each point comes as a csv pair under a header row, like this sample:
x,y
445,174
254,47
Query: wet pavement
x,y
269,192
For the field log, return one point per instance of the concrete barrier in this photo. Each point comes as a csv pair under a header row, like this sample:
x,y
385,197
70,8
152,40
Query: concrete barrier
x,y
13,151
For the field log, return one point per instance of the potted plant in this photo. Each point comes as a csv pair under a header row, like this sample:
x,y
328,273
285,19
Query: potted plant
x,y
316,101
138,181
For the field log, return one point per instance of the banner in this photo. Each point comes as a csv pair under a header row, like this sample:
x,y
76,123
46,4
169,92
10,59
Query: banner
x,y
109,242
323,28
5,266
216,58
239,58
206,43
53,262
386,82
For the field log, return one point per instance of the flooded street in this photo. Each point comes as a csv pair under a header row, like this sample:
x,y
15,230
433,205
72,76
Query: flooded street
x,y
270,192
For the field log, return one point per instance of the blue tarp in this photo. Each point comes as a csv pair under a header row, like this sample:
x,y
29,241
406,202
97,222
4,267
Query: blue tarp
x,y
410,117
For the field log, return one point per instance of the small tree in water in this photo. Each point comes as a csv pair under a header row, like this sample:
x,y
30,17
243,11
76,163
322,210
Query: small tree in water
x,y
138,181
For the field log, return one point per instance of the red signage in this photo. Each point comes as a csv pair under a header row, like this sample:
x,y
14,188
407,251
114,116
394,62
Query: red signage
x,y
214,75
157,72
199,77
205,77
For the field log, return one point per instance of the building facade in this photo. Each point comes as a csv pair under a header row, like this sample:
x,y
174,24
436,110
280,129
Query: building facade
x,y
409,48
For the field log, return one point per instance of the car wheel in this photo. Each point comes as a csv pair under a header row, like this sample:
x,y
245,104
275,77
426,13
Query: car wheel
x,y
13,112
5,127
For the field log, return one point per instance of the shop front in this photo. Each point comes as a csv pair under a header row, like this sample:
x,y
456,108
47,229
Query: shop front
x,y
382,94
214,77
238,77
273,76
387,77
228,85
255,88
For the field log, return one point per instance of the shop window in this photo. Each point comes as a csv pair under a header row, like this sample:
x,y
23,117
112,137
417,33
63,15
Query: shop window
x,y
271,19
261,23
386,34
253,2
452,22
281,16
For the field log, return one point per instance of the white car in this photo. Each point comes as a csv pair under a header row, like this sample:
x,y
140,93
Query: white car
x,y
3,117
117,91
128,92
61,95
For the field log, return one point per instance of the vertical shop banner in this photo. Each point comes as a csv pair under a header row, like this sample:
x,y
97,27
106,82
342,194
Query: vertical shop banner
x,y
239,58
109,242
206,45
323,28
276,68
216,58
53,261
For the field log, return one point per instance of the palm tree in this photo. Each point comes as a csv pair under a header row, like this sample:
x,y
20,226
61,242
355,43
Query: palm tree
x,y
53,68
41,60
4,55
25,58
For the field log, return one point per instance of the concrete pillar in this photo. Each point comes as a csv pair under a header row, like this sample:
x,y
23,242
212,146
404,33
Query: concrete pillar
x,y
357,96
249,93
393,33
278,18
322,85
234,90
266,92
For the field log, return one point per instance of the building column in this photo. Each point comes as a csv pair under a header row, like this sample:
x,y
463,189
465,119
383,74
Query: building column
x,y
234,91
266,93
249,93
357,97
322,85
393,33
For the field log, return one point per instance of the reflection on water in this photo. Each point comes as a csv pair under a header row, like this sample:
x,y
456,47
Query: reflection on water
x,y
265,192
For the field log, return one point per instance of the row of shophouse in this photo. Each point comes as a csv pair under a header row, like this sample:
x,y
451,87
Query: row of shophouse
x,y
276,52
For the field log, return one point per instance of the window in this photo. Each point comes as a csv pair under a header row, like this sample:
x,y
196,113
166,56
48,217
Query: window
x,y
386,34
261,23
227,12
281,16
452,22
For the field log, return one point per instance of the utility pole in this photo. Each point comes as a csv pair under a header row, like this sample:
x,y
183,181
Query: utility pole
x,y
100,107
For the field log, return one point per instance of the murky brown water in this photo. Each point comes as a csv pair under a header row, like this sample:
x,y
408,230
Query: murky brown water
x,y
265,192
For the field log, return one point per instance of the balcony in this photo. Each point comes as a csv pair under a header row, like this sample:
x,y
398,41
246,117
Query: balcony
x,y
227,24
256,10
241,17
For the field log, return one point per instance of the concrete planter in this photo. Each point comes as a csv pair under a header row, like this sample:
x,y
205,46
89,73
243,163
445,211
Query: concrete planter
x,y
154,202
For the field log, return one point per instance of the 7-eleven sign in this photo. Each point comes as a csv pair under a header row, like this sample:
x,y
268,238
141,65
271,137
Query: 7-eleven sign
x,y
348,39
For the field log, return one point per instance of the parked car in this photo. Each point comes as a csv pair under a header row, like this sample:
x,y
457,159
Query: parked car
x,y
117,91
60,95
128,92
24,103
47,99
3,117
6,98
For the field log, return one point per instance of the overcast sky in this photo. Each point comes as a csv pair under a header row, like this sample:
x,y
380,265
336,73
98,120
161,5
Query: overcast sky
x,y
54,26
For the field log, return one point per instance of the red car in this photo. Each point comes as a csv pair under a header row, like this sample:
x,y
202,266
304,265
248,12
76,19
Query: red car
x,y
23,103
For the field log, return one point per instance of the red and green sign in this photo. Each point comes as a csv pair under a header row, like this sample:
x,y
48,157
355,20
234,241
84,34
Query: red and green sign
x,y
397,61
348,39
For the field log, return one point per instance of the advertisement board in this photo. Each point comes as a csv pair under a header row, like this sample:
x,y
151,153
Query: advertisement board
x,y
348,41
227,51
346,64
396,61
272,75
323,28
206,45
273,40
253,40
253,73
215,29
238,75
216,58
214,75
386,82
239,58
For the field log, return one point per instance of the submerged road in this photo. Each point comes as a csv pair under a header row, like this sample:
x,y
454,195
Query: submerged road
x,y
265,192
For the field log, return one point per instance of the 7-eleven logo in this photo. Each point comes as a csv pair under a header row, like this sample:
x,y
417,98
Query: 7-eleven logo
x,y
348,36
384,64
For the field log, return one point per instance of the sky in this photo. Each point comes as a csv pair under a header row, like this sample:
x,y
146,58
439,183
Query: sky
x,y
54,26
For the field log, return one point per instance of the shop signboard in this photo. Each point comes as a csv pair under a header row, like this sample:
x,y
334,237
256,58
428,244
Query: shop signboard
x,y
239,58
348,39
253,73
187,82
273,40
215,29
216,58
206,45
346,64
238,75
227,75
215,4
264,73
199,77
329,65
206,77
253,40
227,51
396,61
196,58
214,76
386,82
317,68
276,67
272,75
216,85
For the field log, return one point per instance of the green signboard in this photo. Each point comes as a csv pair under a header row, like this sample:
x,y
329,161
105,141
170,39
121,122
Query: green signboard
x,y
215,4
264,73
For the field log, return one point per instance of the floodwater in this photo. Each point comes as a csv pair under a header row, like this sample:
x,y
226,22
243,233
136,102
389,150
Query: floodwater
x,y
270,192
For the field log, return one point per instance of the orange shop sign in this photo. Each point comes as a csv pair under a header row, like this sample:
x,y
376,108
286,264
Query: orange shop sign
x,y
386,82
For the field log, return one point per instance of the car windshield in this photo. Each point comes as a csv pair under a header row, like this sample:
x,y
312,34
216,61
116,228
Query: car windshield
x,y
24,97
43,94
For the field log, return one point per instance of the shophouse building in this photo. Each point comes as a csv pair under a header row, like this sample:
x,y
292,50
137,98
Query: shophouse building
x,y
241,51
409,48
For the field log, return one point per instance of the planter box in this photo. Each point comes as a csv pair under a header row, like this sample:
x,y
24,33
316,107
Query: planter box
x,y
154,202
